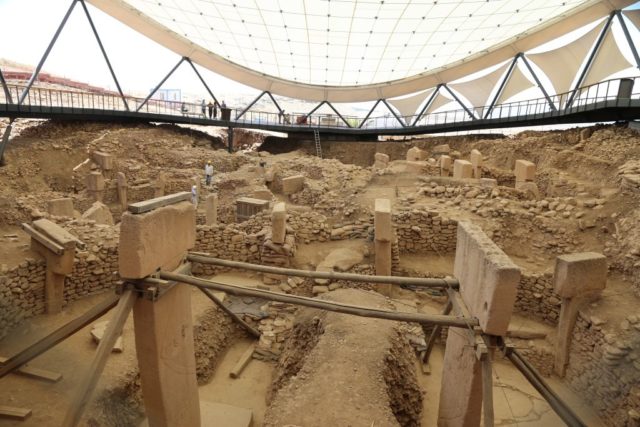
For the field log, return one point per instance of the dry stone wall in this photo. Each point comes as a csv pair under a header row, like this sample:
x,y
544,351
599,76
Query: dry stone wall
x,y
421,231
536,297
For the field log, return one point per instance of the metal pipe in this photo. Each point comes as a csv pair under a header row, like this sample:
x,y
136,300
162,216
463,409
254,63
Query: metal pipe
x,y
104,53
331,275
434,319
155,89
34,76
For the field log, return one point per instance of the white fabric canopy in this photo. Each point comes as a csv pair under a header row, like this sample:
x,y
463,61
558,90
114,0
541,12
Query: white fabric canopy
x,y
561,65
634,16
438,102
609,60
477,91
408,106
517,83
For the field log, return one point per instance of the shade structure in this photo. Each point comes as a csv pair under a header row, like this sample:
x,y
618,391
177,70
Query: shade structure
x,y
477,91
516,84
608,61
408,106
439,101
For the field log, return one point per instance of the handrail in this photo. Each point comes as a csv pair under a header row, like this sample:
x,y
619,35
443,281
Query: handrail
x,y
586,98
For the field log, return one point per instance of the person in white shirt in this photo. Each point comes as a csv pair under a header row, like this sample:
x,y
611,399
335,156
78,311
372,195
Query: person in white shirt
x,y
208,172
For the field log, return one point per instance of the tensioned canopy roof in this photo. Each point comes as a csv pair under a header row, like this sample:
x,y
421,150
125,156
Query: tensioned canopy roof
x,y
352,50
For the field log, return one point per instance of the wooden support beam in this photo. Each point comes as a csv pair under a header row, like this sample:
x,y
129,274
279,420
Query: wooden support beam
x,y
14,413
231,314
158,202
37,373
432,338
242,362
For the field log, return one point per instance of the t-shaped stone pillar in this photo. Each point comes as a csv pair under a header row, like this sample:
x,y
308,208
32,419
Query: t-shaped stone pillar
x,y
211,204
476,163
159,239
122,190
382,241
279,223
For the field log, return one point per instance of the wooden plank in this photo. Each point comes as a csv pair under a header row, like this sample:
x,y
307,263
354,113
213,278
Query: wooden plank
x,y
56,336
85,390
242,362
37,373
14,413
158,202
44,240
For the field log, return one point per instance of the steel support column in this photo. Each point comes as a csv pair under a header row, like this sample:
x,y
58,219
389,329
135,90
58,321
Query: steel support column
x,y
469,112
5,140
7,94
250,105
384,101
104,53
339,115
592,56
535,77
203,82
155,89
427,104
230,140
632,45
275,102
502,85
368,114
34,76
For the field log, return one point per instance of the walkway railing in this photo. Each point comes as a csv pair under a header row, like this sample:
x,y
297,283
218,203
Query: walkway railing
x,y
609,93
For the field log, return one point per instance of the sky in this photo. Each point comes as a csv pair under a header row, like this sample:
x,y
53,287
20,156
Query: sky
x,y
28,25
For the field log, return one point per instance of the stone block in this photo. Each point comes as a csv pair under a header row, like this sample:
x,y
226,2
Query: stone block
x,y
122,190
155,239
445,165
381,157
102,159
99,213
476,163
416,167
384,261
415,154
576,274
525,170
530,188
95,181
382,220
462,169
61,207
246,207
441,149
488,182
263,194
211,205
278,223
488,278
292,184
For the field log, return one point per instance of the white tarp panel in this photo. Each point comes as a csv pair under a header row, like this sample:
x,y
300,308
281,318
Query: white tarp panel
x,y
634,16
561,65
477,91
408,106
517,83
609,60
438,102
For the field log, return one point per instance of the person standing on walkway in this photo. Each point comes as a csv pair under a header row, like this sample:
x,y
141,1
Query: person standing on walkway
x,y
208,173
215,109
203,104
210,106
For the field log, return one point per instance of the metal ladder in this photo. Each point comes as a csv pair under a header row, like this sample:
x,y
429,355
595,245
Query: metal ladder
x,y
316,137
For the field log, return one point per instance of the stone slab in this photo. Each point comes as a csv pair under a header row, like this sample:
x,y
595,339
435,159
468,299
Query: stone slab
x,y
100,213
446,163
576,274
95,181
462,169
381,157
56,233
211,205
278,223
263,194
155,239
488,278
292,184
525,170
158,202
60,207
382,220
476,163
415,154
102,159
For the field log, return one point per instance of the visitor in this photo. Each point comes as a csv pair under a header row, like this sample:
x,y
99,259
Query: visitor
x,y
184,109
208,173
194,196
215,109
203,104
224,105
210,105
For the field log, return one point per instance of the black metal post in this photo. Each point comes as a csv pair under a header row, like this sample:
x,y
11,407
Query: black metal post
x,y
503,84
469,112
429,102
155,89
368,114
275,102
632,45
5,140
250,105
339,115
535,77
104,53
315,108
384,101
34,76
203,82
7,94
592,56
230,140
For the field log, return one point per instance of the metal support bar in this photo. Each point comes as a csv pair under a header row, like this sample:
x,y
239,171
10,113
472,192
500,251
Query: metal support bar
x,y
155,89
339,115
57,336
632,45
428,103
535,77
104,53
3,82
591,58
250,105
469,112
5,140
534,378
315,108
251,330
331,275
368,114
203,82
34,76
384,101
502,85
275,102
436,319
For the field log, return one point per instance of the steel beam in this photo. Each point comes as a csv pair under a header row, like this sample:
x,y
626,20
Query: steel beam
x,y
592,56
104,53
428,103
315,109
339,115
469,112
535,77
203,82
155,89
368,114
250,105
34,76
632,45
3,82
384,101
275,102
502,85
